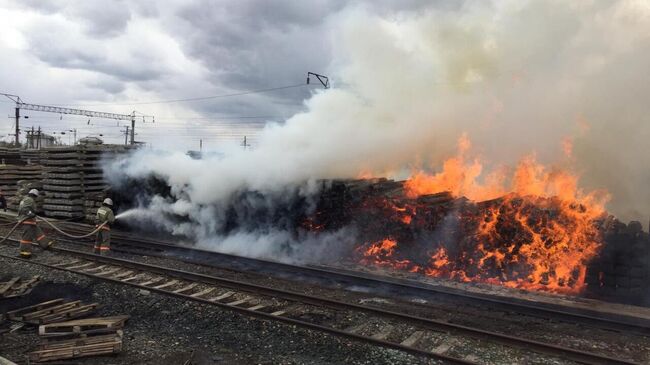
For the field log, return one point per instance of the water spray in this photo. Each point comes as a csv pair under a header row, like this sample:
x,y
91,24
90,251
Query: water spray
x,y
133,212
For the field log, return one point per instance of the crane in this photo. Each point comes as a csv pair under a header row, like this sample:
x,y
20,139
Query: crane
x,y
59,110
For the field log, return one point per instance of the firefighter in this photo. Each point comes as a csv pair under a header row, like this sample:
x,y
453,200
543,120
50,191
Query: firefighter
x,y
31,231
104,215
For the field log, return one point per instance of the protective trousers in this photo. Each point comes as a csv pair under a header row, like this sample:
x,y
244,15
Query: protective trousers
x,y
103,241
31,233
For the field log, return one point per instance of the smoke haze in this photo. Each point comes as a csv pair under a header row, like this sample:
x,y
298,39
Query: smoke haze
x,y
566,81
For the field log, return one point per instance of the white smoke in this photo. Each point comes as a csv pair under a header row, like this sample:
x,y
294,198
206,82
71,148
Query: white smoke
x,y
516,76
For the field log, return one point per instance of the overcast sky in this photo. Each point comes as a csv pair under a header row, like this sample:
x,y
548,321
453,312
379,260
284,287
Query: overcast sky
x,y
106,55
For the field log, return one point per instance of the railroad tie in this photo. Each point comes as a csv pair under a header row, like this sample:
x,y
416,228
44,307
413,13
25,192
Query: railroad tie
x,y
240,301
202,293
66,263
384,333
222,296
186,288
165,285
109,272
98,268
413,338
278,313
356,328
152,281
442,348
80,266
131,278
123,274
256,307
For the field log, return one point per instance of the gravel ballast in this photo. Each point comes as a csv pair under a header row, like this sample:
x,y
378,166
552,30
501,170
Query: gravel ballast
x,y
168,330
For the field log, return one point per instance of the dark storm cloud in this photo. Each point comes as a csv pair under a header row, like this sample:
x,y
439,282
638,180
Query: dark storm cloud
x,y
236,45
257,44
110,86
102,18
262,44
55,54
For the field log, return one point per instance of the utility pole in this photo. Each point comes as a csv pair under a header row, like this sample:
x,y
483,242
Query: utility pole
x,y
17,126
132,129
38,142
126,135
245,144
200,145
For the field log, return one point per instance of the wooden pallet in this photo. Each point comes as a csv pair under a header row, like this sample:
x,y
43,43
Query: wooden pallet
x,y
78,347
82,326
17,287
52,311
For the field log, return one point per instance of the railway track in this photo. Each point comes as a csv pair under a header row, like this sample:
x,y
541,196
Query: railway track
x,y
368,324
329,276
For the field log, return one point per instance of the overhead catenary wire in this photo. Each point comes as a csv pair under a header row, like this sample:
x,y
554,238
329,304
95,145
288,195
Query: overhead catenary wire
x,y
170,101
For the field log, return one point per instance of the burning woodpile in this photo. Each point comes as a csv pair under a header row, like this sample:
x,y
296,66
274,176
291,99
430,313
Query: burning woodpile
x,y
537,232
517,241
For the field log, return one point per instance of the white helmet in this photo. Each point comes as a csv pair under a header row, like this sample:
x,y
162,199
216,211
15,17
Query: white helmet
x,y
108,201
33,192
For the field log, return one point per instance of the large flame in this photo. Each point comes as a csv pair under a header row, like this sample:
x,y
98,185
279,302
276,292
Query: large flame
x,y
532,229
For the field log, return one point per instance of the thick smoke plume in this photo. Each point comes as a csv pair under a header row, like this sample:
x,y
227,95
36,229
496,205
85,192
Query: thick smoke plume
x,y
566,81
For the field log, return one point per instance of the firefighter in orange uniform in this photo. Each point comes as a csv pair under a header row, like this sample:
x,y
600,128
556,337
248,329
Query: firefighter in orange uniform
x,y
31,231
104,215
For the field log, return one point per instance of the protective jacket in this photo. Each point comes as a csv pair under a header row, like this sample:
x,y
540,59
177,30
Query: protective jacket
x,y
27,208
105,214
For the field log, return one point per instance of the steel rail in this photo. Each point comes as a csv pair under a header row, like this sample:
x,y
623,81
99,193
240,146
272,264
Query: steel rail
x,y
549,311
545,310
266,316
541,347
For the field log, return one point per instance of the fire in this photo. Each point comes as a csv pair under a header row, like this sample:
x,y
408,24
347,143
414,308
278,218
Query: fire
x,y
384,248
458,176
533,229
380,254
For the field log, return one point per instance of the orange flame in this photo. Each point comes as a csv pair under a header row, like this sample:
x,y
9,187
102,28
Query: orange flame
x,y
538,235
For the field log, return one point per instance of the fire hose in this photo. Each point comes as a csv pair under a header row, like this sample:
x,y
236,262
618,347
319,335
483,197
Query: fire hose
x,y
12,230
55,228
71,235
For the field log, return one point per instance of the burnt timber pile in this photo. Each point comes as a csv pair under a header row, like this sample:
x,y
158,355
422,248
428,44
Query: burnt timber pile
x,y
619,271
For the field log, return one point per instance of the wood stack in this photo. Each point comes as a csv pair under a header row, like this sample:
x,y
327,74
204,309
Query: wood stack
x,y
16,286
70,178
12,175
621,272
62,183
31,156
10,156
95,187
74,181
80,338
